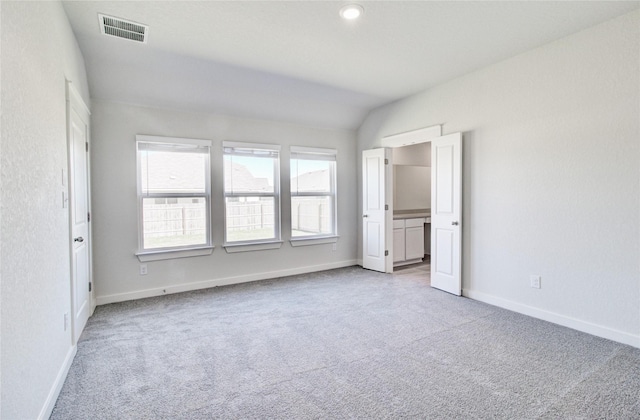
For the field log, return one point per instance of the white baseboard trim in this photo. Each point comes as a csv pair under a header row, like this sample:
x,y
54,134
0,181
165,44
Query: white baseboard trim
x,y
50,402
187,287
565,321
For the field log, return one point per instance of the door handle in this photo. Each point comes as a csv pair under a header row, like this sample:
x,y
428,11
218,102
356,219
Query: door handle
x,y
78,239
365,215
454,223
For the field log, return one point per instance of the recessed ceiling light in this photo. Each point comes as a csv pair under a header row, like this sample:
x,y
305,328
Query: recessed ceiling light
x,y
351,11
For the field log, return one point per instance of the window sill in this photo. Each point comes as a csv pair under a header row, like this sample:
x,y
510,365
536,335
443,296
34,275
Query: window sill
x,y
256,246
168,254
313,241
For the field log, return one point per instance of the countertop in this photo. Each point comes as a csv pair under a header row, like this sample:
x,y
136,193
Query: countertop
x,y
411,214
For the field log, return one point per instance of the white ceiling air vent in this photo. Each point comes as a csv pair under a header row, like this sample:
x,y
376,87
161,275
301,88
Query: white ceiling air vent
x,y
121,28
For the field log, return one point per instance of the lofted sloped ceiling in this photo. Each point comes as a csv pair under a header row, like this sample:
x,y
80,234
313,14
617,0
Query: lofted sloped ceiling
x,y
298,61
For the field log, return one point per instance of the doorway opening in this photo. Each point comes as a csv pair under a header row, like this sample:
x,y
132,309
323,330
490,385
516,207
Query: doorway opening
x,y
411,167
443,210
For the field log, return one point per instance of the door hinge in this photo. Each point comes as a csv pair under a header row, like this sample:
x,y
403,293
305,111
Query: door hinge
x,y
386,253
86,145
386,207
89,286
88,217
386,161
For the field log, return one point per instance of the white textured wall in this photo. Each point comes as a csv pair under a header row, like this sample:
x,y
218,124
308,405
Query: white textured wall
x,y
415,154
412,177
36,57
551,176
115,214
411,187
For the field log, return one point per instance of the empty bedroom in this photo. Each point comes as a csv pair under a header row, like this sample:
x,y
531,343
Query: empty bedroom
x,y
319,209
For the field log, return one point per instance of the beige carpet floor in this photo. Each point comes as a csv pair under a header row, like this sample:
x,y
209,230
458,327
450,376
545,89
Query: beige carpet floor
x,y
345,343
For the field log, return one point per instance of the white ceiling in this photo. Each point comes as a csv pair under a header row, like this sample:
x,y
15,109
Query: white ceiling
x,y
298,61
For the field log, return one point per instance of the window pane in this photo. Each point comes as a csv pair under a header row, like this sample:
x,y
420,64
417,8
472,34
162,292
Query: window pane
x,y
174,222
177,172
311,175
250,218
248,174
311,216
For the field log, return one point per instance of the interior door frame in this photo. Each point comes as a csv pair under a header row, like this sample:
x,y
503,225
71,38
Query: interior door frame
x,y
421,135
75,103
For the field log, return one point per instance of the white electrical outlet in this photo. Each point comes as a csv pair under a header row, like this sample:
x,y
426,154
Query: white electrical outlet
x,y
335,247
536,281
143,269
66,321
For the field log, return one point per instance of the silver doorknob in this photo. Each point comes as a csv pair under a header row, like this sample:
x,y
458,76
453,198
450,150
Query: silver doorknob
x,y
78,239
454,223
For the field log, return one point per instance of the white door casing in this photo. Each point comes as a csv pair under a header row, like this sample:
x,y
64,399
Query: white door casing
x,y
80,247
375,228
446,213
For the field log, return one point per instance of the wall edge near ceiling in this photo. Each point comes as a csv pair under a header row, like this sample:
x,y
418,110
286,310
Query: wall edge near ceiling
x,y
54,392
206,284
565,321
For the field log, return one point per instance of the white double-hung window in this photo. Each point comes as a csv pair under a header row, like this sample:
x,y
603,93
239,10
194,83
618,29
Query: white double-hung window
x,y
251,193
174,194
313,193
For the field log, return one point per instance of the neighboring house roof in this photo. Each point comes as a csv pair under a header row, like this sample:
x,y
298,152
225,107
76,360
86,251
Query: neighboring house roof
x,y
312,181
184,172
242,180
173,172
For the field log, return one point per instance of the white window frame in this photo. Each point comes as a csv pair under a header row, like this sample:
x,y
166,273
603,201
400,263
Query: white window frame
x,y
153,254
317,153
246,149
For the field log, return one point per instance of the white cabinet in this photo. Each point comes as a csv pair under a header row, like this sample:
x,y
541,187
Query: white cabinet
x,y
408,241
398,241
414,243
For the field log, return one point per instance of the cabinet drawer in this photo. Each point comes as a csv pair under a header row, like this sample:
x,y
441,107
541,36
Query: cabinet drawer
x,y
398,224
414,222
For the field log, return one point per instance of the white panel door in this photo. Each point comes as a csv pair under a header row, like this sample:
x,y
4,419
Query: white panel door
x,y
79,215
446,212
373,209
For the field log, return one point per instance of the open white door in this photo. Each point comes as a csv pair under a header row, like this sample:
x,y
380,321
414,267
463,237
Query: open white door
x,y
374,224
446,212
78,132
